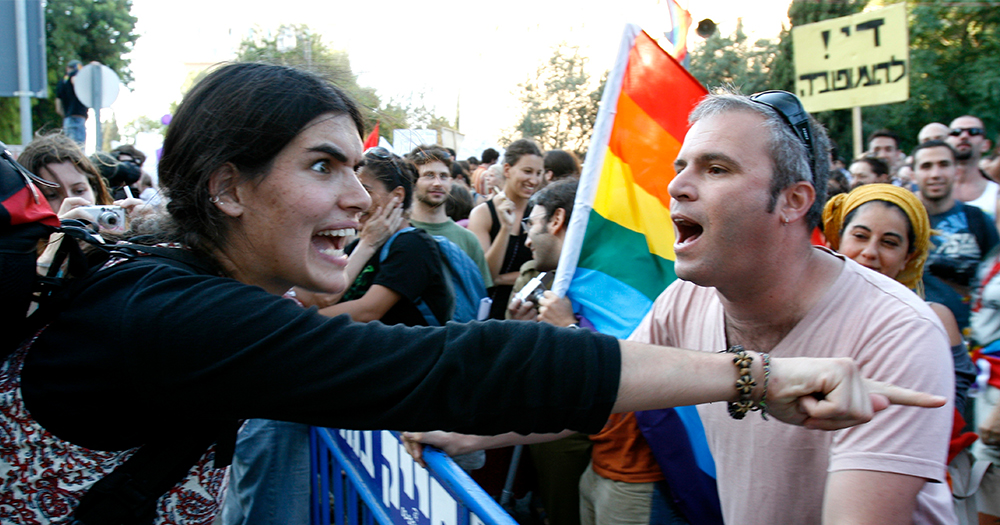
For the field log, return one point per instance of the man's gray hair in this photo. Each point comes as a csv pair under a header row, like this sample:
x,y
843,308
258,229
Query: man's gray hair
x,y
788,152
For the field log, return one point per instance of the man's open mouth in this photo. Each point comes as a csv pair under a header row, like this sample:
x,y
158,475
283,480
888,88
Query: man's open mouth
x,y
687,230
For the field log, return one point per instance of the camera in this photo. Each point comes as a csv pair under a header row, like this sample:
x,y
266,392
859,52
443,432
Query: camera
x,y
534,290
111,218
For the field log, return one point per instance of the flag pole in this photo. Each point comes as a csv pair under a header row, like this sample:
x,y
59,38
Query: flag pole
x,y
593,165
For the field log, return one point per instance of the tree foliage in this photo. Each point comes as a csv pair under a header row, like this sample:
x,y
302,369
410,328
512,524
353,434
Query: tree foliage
x,y
559,102
98,30
734,61
765,64
800,12
954,50
298,46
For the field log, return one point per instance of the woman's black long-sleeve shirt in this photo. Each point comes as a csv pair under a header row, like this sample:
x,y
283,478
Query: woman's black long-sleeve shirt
x,y
153,345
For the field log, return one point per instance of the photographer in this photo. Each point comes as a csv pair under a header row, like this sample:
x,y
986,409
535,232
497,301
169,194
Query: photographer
x,y
119,175
551,209
82,193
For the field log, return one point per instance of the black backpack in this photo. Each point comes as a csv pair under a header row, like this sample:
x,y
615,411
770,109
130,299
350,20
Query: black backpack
x,y
25,219
127,496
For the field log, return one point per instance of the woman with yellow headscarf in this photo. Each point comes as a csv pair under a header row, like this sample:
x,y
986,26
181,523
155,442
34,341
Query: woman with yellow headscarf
x,y
886,228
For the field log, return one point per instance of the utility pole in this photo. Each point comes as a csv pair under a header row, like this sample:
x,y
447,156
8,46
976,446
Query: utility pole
x,y
23,81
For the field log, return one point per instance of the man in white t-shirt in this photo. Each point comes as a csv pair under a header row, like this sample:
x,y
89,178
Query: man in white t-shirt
x,y
744,202
972,185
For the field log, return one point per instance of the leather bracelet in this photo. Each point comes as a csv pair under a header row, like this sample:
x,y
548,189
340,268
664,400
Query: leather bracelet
x,y
744,385
765,359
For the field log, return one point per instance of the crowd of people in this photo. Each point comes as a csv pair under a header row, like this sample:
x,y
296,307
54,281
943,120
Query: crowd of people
x,y
293,279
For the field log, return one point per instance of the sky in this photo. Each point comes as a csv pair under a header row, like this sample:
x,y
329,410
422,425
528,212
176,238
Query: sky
x,y
446,54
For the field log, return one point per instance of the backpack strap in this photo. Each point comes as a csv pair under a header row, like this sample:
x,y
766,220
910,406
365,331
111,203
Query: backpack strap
x,y
129,495
977,221
421,305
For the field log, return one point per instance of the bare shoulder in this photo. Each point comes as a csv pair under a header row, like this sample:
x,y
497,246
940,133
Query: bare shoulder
x,y
948,320
479,218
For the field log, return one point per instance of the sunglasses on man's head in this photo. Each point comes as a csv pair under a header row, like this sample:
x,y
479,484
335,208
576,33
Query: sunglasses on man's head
x,y
973,132
790,109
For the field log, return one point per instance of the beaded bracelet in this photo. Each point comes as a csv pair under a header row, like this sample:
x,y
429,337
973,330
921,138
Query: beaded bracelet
x,y
744,385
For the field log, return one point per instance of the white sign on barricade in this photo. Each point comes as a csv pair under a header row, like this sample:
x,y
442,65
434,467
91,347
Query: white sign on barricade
x,y
409,494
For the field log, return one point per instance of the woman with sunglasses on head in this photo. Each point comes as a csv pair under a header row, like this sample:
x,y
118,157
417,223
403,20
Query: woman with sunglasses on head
x,y
393,280
497,222
259,167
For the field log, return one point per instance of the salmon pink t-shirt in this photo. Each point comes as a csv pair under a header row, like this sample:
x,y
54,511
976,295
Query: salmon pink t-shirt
x,y
770,472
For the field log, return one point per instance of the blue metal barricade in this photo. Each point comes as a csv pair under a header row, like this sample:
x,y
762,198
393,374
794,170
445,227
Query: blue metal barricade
x,y
367,477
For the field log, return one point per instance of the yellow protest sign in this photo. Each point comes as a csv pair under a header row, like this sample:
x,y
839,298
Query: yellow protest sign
x,y
857,60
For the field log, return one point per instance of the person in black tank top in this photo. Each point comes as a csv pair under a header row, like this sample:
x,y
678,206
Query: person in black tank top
x,y
497,222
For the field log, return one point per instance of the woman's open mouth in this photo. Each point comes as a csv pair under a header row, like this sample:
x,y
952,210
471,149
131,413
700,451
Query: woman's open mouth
x,y
332,242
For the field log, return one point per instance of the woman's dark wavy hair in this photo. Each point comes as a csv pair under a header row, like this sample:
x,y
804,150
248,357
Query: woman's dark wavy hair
x,y
242,114
56,148
392,173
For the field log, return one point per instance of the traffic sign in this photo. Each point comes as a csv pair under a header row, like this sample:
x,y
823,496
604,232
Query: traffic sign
x,y
96,86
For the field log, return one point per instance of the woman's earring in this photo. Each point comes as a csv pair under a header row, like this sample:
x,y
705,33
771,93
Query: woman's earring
x,y
214,199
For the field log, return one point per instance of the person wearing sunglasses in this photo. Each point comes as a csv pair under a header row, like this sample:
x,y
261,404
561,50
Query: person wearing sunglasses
x,y
749,190
972,185
751,177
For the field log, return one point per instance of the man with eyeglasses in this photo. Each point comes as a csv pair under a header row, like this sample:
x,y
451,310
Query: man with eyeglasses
x,y
431,192
972,186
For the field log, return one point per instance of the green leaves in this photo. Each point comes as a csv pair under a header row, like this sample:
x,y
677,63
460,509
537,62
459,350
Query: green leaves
x,y
298,46
96,30
559,102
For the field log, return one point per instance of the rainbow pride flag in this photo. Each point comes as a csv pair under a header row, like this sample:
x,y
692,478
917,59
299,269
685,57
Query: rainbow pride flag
x,y
618,255
680,24
619,250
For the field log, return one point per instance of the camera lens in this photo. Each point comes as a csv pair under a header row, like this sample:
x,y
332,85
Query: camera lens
x,y
108,219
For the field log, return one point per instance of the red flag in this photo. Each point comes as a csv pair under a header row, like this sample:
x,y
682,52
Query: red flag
x,y
372,139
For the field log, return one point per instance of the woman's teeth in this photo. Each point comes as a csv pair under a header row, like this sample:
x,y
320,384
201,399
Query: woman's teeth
x,y
343,232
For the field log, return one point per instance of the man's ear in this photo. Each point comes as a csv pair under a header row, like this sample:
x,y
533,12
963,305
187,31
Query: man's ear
x,y
558,220
986,146
796,201
225,191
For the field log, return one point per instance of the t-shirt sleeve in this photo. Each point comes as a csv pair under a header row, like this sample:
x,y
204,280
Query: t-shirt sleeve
x,y
913,353
410,266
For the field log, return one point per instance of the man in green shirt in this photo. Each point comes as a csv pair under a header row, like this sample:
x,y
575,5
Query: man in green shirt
x,y
430,193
